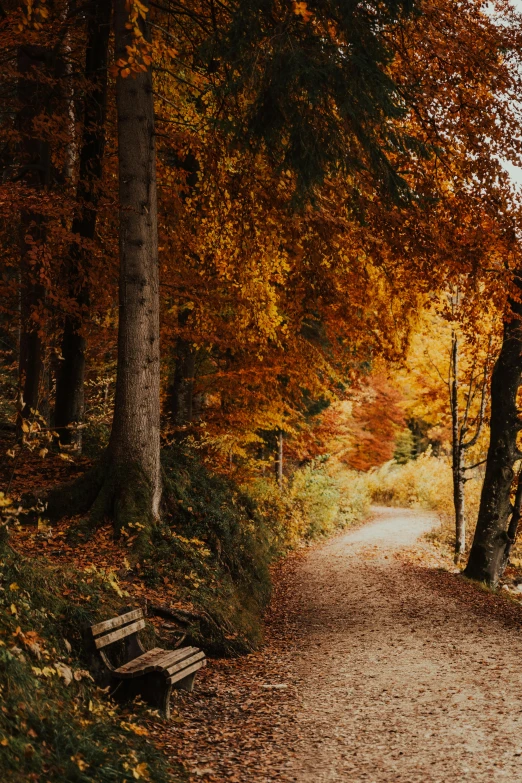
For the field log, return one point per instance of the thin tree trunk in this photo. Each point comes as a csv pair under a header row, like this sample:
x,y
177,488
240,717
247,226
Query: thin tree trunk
x,y
457,453
181,392
69,407
491,534
279,463
35,174
459,503
181,389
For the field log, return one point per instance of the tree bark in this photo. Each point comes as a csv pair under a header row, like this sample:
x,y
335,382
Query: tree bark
x,y
513,526
35,168
125,485
134,447
457,452
69,403
491,534
459,502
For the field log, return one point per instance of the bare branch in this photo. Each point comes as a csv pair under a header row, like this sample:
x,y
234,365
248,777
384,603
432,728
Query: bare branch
x,y
483,401
470,467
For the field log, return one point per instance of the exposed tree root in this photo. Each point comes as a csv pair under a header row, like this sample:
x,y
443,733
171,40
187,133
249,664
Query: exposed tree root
x,y
108,491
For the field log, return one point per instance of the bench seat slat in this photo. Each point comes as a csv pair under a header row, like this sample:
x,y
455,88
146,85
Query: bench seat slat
x,y
175,667
155,660
177,676
172,656
116,622
140,664
121,633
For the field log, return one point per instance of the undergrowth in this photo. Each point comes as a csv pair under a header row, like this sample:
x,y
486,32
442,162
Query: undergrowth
x,y
55,723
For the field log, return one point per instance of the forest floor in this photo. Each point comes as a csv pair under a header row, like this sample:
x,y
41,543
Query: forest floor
x,y
380,666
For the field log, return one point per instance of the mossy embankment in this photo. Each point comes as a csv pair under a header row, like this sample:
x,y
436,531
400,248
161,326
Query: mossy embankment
x,y
55,723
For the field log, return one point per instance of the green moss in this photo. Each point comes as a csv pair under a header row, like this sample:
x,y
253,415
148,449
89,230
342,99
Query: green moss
x,y
216,548
106,491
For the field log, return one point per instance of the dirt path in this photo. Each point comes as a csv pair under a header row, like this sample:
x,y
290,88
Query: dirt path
x,y
375,671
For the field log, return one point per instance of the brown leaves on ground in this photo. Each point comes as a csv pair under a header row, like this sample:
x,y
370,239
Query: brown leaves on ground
x,y
239,723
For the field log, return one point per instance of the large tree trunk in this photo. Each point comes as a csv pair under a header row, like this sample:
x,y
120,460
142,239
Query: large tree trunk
x,y
491,540
513,525
135,437
126,486
69,405
131,488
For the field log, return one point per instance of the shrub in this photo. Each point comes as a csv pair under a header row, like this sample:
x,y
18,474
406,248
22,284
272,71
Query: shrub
x,y
317,498
355,497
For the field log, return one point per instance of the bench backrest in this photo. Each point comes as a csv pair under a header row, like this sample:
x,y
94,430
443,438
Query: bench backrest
x,y
110,631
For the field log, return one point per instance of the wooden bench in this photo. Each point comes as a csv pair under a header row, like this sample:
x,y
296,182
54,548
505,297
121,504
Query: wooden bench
x,y
149,673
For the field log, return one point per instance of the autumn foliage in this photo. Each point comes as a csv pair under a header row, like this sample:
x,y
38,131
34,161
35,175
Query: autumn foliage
x,y
378,416
247,276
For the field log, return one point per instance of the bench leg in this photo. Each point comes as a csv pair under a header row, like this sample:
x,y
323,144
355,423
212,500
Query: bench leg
x,y
156,691
186,684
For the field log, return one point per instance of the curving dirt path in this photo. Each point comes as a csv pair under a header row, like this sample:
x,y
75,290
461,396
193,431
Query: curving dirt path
x,y
376,671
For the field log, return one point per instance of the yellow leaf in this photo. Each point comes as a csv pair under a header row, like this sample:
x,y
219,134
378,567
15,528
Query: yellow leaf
x,y
140,771
141,731
301,9
4,742
80,763
5,501
64,672
13,586
42,453
14,610
81,674
25,426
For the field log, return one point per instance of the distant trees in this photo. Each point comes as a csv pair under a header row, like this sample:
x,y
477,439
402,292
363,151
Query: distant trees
x,y
377,419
